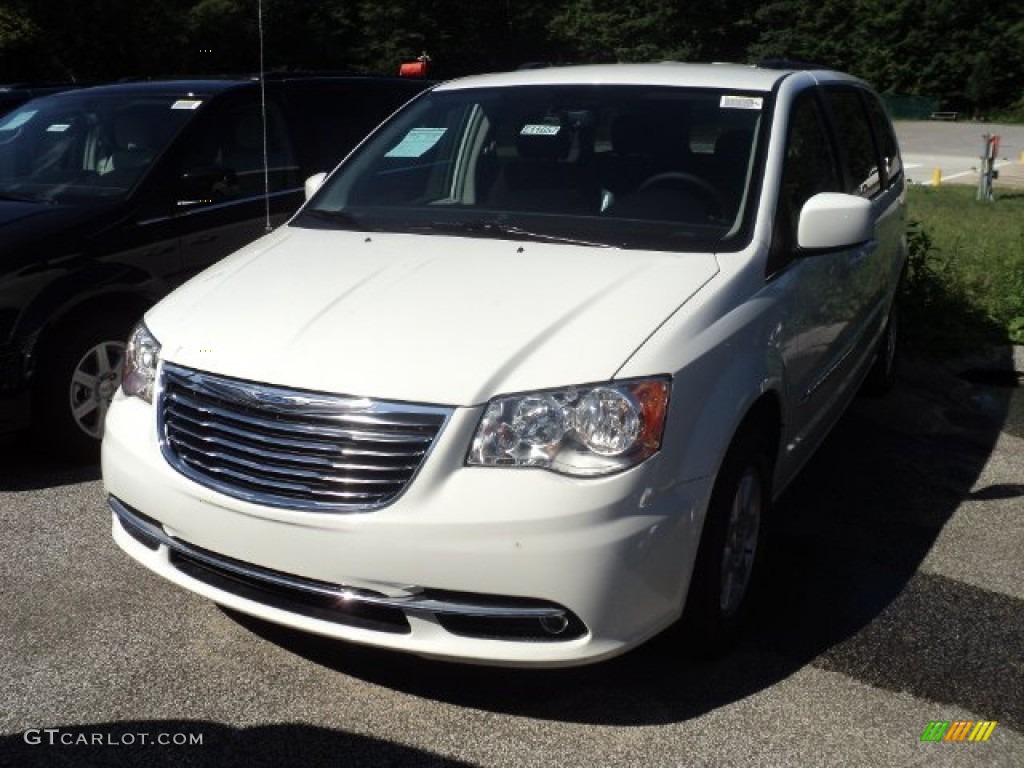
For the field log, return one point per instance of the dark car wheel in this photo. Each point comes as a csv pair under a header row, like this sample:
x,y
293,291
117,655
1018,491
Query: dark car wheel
x,y
75,382
882,376
724,576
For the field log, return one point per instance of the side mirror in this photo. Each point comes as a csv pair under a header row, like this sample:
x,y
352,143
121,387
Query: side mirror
x,y
313,183
831,221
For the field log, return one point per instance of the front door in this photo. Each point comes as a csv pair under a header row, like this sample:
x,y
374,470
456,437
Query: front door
x,y
818,329
237,179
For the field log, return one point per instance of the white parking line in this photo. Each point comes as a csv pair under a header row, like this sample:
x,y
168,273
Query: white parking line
x,y
946,177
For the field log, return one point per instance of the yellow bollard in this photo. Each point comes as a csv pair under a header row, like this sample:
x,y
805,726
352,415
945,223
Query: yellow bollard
x,y
937,177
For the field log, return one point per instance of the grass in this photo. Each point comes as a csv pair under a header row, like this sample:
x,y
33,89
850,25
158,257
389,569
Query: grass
x,y
965,280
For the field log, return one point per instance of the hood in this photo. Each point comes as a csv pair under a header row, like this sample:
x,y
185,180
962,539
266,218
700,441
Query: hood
x,y
442,320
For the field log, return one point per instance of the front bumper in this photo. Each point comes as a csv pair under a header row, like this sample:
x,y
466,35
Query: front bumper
x,y
488,565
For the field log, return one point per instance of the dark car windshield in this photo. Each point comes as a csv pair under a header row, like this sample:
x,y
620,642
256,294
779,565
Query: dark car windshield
x,y
624,166
83,146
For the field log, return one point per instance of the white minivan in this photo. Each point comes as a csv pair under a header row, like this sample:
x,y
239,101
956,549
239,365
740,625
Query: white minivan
x,y
520,382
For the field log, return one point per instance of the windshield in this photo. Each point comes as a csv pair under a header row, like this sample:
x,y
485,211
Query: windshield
x,y
623,166
84,147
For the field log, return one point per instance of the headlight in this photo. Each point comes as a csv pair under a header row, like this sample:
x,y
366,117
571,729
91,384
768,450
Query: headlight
x,y
590,430
140,363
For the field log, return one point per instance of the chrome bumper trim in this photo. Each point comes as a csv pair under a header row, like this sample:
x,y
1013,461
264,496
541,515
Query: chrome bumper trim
x,y
257,575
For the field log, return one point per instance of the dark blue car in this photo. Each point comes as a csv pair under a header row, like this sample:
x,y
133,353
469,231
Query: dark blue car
x,y
111,196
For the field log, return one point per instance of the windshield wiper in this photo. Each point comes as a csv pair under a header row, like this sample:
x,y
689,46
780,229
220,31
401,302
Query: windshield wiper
x,y
498,229
545,237
340,218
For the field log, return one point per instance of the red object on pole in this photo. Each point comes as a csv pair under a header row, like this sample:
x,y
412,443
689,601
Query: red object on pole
x,y
413,69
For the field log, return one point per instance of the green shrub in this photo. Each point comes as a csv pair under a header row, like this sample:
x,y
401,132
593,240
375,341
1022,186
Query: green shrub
x,y
964,287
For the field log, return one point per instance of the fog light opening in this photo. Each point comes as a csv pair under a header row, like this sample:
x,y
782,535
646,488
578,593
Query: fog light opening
x,y
554,625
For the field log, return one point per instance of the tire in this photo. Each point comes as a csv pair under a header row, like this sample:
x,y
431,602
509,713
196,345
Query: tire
x,y
724,582
882,376
75,381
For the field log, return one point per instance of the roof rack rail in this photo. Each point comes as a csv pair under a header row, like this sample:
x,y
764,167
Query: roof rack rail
x,y
784,62
538,65
269,75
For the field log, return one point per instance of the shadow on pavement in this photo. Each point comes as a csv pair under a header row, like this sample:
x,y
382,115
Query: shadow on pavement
x,y
24,468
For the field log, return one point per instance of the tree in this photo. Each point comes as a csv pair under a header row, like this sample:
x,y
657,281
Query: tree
x,y
970,55
610,31
222,36
19,36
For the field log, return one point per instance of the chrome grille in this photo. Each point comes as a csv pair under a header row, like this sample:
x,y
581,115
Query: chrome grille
x,y
291,448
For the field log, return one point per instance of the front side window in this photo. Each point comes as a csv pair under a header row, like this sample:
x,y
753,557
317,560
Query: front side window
x,y
623,166
236,154
83,147
809,169
887,145
856,145
810,166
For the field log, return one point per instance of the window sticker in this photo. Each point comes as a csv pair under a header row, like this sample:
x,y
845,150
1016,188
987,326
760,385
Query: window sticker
x,y
58,127
741,102
187,104
417,142
540,130
17,120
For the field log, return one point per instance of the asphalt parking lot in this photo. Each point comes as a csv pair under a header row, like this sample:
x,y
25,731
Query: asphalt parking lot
x,y
954,149
895,599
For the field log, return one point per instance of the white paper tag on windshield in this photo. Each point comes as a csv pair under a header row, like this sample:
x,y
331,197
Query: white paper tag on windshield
x,y
540,130
17,120
187,104
741,102
417,142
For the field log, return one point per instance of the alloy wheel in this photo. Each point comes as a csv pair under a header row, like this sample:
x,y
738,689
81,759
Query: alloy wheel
x,y
93,383
740,542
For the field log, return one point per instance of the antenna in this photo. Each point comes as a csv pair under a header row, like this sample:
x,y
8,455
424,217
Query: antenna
x,y
263,110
